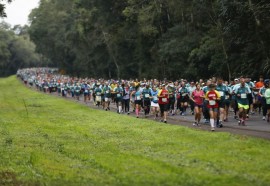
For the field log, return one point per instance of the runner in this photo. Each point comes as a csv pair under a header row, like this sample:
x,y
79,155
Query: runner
x,y
205,108
126,98
197,97
242,93
227,101
251,100
260,83
163,101
183,91
77,89
138,99
191,89
171,90
118,91
98,94
146,93
267,97
132,88
107,96
154,102
58,87
86,91
72,89
212,97
223,91
263,100
235,84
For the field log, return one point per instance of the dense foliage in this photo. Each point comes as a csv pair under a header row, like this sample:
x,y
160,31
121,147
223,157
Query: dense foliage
x,y
2,7
154,39
16,49
159,38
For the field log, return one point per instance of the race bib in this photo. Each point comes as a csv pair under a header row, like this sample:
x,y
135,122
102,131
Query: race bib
x,y
86,91
184,94
221,93
227,97
106,99
146,95
155,98
212,102
118,95
164,100
138,98
107,92
98,98
243,96
98,93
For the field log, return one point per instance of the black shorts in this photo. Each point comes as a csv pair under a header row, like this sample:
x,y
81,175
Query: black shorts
x,y
250,99
118,100
147,102
184,99
171,103
222,104
138,102
164,107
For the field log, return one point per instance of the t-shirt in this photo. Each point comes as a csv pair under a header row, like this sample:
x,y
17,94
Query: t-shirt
x,y
259,85
164,99
118,91
267,96
242,95
197,97
223,91
154,96
212,97
146,94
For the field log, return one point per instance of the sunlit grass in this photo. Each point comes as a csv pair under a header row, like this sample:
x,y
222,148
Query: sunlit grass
x,y
46,140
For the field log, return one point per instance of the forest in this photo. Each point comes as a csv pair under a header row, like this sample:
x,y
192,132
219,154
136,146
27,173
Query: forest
x,y
160,39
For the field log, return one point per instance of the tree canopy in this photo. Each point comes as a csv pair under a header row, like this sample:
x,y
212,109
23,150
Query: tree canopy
x,y
16,49
154,39
2,8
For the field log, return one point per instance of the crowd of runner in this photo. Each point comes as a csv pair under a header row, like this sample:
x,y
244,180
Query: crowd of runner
x,y
211,99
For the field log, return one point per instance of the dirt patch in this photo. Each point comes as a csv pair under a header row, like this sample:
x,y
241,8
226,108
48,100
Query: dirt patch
x,y
9,178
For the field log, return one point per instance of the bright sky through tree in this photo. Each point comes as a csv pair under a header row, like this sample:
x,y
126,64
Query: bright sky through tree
x,y
18,11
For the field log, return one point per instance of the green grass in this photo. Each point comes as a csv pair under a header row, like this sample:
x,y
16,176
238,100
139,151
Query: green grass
x,y
45,140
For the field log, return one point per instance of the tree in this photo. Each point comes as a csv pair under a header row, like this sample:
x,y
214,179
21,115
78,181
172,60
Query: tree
x,y
16,50
154,39
2,8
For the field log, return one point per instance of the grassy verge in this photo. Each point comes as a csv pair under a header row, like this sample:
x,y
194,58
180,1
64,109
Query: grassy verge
x,y
46,140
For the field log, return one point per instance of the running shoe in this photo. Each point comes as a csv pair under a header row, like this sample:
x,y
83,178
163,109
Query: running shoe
x,y
239,122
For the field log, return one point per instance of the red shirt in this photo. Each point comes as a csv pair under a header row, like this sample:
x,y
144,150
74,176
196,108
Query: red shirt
x,y
164,99
212,97
259,85
197,96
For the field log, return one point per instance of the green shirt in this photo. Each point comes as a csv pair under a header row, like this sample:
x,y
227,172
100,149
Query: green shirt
x,y
267,96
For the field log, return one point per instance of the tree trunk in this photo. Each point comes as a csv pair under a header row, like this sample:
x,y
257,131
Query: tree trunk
x,y
111,54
